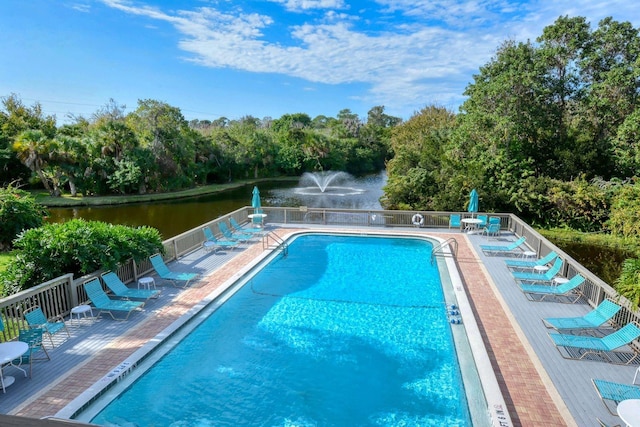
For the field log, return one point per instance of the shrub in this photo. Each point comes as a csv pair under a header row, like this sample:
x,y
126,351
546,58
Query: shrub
x,y
629,282
77,246
18,211
625,212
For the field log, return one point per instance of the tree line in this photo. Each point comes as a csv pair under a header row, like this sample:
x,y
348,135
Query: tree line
x,y
549,130
155,149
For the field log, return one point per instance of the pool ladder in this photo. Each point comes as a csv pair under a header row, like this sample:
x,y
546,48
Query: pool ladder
x,y
278,243
438,250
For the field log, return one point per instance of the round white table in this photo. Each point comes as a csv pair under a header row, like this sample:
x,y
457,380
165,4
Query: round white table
x,y
559,281
540,269
528,254
629,412
471,224
81,309
261,216
147,282
10,351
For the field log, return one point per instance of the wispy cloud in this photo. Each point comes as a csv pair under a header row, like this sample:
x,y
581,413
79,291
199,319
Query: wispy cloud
x,y
298,5
85,8
428,57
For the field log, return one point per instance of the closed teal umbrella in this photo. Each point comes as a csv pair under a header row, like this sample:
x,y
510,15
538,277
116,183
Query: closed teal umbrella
x,y
473,201
255,200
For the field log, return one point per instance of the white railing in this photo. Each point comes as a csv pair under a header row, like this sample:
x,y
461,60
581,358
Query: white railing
x,y
59,295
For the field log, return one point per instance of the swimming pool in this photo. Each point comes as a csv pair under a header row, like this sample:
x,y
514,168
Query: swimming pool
x,y
345,330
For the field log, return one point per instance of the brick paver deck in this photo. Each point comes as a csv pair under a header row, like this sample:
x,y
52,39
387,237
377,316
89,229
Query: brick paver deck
x,y
530,402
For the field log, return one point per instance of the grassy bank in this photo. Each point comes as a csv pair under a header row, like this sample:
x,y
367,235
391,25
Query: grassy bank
x,y
66,200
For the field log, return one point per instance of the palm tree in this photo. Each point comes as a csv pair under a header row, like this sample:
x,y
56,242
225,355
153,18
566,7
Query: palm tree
x,y
32,148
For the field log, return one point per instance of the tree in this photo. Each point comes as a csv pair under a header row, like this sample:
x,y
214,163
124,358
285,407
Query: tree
x,y
163,129
32,148
414,174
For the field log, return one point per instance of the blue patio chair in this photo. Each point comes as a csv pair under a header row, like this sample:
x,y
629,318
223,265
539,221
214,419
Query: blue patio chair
x,y
121,290
36,319
545,277
454,221
610,392
603,424
226,232
258,220
211,242
491,230
595,319
482,218
240,229
104,304
5,381
33,337
165,273
528,264
567,290
579,346
512,248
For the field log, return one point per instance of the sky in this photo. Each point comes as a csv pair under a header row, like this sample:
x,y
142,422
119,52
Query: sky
x,y
264,58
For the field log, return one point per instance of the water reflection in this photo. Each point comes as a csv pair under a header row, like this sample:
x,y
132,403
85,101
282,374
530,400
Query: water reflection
x,y
177,216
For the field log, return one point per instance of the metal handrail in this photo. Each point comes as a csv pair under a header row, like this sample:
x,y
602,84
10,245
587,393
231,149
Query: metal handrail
x,y
279,242
451,242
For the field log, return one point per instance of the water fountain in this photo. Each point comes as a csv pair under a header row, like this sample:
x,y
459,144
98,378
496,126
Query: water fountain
x,y
328,183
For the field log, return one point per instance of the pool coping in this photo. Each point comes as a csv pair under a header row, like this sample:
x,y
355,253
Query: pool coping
x,y
58,393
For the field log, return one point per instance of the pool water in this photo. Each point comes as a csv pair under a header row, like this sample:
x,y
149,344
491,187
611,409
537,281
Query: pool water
x,y
345,330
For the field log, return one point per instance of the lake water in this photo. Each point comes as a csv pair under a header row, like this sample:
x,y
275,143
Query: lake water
x,y
177,216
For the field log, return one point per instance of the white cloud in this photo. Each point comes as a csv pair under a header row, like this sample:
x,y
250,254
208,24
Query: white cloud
x,y
300,5
85,8
418,63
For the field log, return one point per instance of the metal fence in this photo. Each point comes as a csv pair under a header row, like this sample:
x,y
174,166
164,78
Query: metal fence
x,y
58,296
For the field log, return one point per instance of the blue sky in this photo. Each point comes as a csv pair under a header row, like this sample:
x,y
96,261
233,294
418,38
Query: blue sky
x,y
232,58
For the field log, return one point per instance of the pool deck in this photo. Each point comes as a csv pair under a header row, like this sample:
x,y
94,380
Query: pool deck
x,y
539,386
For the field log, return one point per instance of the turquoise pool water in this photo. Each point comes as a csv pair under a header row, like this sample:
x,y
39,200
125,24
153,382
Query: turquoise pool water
x,y
344,331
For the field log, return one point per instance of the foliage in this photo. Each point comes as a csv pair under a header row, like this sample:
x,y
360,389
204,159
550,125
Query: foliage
x,y
579,205
78,247
624,219
628,284
415,173
154,149
18,211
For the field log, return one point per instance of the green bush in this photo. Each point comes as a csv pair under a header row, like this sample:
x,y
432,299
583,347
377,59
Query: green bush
x,y
77,246
629,282
624,220
18,211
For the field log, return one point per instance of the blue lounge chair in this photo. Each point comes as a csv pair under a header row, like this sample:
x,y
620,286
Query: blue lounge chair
x,y
36,319
240,229
615,393
226,232
163,271
454,221
104,304
504,249
211,242
569,290
528,264
120,290
579,346
545,277
592,320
